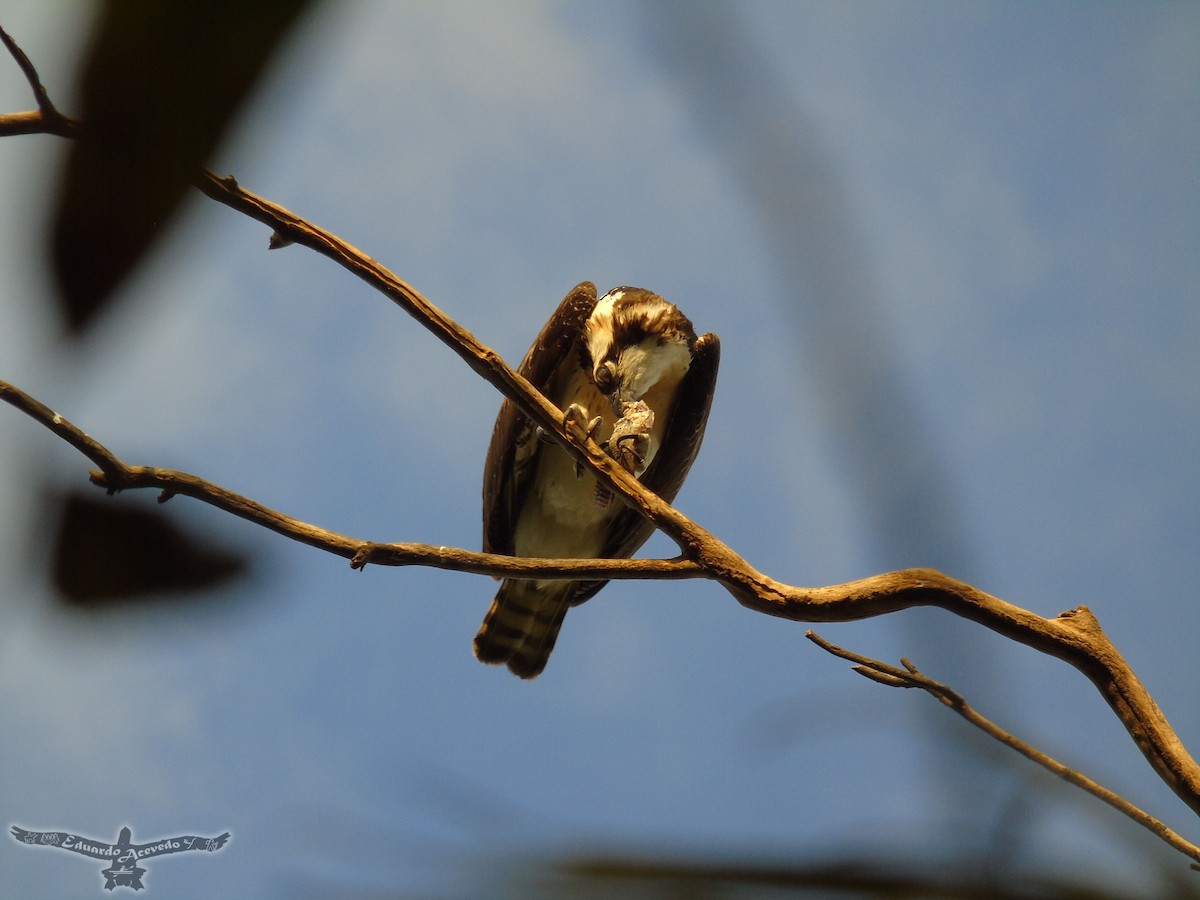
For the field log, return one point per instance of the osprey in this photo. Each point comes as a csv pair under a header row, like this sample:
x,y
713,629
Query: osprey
x,y
631,365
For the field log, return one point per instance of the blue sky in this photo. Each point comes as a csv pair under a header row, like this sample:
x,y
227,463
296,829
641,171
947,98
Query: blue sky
x,y
951,253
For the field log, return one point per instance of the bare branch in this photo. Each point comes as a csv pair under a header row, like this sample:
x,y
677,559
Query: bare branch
x,y
47,119
1074,636
84,443
115,475
30,73
911,677
287,227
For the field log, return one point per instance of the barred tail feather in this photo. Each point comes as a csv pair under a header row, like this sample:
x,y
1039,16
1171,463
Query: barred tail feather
x,y
522,625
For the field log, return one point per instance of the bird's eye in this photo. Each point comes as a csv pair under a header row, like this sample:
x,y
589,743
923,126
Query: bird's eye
x,y
604,376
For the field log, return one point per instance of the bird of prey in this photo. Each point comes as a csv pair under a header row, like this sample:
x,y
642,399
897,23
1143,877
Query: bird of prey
x,y
631,365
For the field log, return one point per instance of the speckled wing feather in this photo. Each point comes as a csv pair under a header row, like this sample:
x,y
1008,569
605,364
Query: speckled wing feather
x,y
674,459
514,447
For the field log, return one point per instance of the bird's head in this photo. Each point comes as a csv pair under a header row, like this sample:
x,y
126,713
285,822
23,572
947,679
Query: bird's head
x,y
636,340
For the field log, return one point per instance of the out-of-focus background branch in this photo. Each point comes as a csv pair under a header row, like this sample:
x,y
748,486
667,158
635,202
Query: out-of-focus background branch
x,y
1003,202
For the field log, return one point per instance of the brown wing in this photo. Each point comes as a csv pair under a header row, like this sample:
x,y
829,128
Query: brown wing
x,y
673,460
514,448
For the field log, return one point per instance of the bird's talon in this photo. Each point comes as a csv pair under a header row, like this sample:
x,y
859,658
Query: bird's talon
x,y
629,449
576,415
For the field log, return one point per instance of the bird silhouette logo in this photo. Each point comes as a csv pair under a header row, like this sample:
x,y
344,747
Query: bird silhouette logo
x,y
123,856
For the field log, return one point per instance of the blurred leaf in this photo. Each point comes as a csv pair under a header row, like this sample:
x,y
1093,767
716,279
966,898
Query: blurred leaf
x,y
877,875
160,84
109,552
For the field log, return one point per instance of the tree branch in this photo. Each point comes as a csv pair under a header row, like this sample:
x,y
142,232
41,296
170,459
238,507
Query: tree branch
x,y
46,119
911,677
1074,636
115,475
288,228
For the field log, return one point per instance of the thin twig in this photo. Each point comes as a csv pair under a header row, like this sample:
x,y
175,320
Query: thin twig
x,y
76,437
911,677
47,116
27,69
